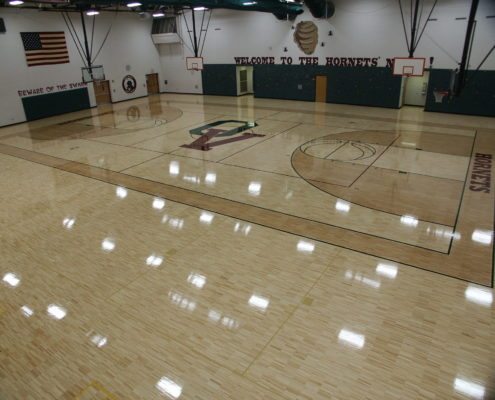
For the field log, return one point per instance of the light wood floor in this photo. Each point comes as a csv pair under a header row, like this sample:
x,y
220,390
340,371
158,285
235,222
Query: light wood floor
x,y
324,252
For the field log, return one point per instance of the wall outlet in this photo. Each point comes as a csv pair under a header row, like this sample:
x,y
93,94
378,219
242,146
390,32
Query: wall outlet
x,y
299,86
195,86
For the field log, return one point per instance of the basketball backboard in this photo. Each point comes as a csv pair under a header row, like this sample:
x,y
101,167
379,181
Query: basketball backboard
x,y
95,73
404,66
194,63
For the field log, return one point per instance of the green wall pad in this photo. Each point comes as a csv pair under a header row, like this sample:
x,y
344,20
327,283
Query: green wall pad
x,y
46,105
367,86
373,86
476,98
219,79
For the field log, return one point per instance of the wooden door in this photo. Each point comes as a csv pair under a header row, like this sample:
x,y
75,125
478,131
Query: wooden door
x,y
321,89
152,83
102,92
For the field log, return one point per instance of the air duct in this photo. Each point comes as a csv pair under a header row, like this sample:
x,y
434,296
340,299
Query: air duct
x,y
320,8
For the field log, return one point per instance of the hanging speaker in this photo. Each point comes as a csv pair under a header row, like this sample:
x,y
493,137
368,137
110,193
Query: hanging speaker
x,y
2,26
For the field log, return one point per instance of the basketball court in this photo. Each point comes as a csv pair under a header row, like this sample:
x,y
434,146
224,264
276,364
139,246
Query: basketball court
x,y
196,246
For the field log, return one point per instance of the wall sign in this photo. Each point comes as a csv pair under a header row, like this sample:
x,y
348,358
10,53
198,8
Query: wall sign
x,y
50,89
326,61
306,36
129,84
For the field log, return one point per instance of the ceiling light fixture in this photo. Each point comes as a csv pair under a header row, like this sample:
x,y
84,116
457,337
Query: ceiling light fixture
x,y
91,13
16,2
133,4
200,9
158,14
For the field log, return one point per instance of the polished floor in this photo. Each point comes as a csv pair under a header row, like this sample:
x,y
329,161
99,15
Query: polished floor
x,y
197,247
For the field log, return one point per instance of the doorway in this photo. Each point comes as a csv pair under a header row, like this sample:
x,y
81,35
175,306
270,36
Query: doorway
x,y
102,92
244,80
321,89
415,90
152,83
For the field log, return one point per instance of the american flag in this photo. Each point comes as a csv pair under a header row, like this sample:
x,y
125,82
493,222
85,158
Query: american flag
x,y
44,48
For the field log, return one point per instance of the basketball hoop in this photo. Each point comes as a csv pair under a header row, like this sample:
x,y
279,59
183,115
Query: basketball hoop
x,y
408,66
439,95
93,74
194,63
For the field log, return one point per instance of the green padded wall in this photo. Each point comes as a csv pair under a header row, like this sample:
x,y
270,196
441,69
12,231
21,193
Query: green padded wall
x,y
46,105
289,82
219,79
476,98
373,86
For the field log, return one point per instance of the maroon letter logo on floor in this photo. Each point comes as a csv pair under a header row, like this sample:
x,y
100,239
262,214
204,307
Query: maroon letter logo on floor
x,y
235,131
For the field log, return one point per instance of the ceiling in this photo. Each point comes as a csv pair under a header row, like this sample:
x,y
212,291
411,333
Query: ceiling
x,y
282,9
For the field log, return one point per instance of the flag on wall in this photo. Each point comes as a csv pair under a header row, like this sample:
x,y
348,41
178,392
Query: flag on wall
x,y
44,48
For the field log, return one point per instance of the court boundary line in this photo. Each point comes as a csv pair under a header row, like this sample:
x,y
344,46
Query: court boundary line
x,y
471,162
261,141
251,222
310,182
133,146
376,158
338,125
295,177
172,152
141,163
335,114
300,178
60,166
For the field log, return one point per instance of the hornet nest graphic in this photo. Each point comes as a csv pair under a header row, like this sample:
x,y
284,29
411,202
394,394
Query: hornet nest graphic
x,y
306,36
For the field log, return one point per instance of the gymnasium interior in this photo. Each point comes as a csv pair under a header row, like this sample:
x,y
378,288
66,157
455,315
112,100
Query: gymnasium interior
x,y
247,199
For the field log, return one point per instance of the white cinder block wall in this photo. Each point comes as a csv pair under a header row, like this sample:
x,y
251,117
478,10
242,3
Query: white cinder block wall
x,y
361,28
128,44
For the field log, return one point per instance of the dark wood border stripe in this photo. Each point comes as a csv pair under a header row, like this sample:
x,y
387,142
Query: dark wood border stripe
x,y
445,264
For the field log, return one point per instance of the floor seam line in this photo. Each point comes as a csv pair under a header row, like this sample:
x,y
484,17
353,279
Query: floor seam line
x,y
286,320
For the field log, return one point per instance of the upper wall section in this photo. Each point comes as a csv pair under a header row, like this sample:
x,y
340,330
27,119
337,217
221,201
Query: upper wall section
x,y
360,28
128,50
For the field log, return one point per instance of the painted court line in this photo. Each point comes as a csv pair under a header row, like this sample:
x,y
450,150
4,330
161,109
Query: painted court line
x,y
445,264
